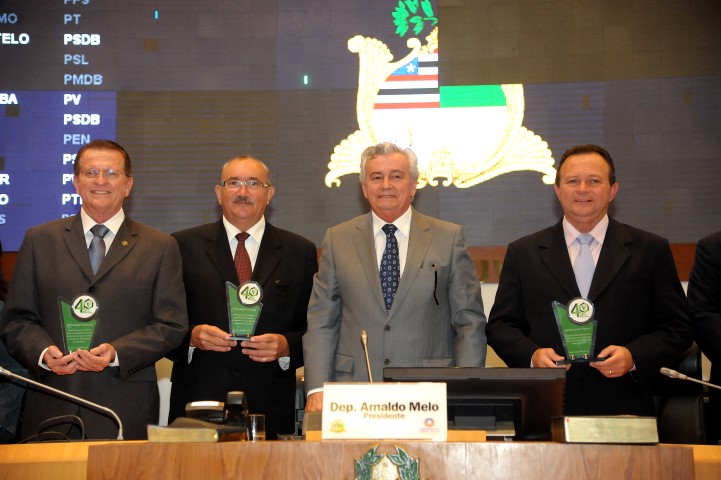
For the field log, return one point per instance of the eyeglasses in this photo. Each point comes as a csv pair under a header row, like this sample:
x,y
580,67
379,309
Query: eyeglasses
x,y
252,185
109,174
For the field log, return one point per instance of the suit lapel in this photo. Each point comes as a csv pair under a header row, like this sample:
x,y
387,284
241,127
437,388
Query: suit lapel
x,y
554,254
365,247
124,242
614,254
75,241
419,240
218,251
269,254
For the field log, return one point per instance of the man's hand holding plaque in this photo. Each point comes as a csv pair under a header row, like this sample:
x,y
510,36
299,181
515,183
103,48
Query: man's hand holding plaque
x,y
58,362
617,361
266,348
212,338
96,359
577,327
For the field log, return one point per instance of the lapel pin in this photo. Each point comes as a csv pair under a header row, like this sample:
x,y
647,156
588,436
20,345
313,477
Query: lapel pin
x,y
124,243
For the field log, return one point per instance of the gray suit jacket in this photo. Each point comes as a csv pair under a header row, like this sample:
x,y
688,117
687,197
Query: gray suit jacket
x,y
417,332
139,289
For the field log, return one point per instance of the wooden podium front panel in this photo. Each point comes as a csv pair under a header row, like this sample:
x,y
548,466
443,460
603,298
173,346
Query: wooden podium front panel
x,y
707,460
335,460
59,461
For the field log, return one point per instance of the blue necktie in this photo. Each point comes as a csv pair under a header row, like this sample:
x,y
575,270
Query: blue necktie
x,y
390,266
584,265
97,246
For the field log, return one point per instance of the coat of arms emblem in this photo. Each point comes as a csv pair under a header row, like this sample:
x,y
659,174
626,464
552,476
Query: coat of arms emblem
x,y
462,135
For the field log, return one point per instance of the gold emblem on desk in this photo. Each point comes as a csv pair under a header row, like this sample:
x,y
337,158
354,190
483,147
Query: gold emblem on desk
x,y
337,426
387,466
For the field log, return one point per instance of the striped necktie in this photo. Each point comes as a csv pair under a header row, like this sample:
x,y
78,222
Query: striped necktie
x,y
97,246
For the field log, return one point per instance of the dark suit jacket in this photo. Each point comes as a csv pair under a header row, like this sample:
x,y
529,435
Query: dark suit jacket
x,y
284,268
142,315
639,304
11,394
704,297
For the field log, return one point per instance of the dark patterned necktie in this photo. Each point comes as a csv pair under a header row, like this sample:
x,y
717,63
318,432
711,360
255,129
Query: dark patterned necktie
x,y
242,259
584,265
97,246
390,266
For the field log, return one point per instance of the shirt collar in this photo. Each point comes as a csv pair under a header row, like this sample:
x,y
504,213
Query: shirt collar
x,y
113,223
256,231
598,232
402,223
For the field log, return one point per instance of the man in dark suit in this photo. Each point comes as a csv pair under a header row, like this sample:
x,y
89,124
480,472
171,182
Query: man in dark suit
x,y
642,314
209,363
136,286
704,297
11,391
403,277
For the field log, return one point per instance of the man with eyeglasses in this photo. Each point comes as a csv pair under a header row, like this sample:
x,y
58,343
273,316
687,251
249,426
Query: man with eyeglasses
x,y
102,267
240,247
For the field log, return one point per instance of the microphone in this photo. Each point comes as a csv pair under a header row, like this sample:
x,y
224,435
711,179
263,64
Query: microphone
x,y
72,397
680,376
364,341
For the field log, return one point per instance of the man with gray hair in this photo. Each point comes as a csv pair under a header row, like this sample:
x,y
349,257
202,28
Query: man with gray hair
x,y
403,277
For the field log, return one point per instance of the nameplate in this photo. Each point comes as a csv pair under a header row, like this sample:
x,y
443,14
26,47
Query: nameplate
x,y
393,411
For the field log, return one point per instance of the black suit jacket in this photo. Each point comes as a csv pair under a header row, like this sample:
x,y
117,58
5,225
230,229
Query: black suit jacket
x,y
704,297
284,268
639,304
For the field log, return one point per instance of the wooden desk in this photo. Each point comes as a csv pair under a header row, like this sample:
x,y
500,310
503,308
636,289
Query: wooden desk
x,y
59,461
707,461
279,460
335,460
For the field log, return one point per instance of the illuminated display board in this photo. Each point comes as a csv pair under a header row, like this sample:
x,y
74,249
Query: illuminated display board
x,y
185,85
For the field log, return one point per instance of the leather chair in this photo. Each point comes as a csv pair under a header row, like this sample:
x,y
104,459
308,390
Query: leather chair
x,y
680,403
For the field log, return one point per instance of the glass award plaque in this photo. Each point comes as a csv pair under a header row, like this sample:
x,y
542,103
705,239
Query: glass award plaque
x,y
79,319
577,327
243,309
